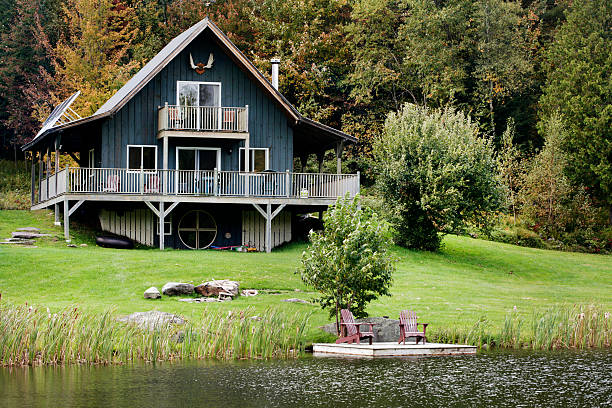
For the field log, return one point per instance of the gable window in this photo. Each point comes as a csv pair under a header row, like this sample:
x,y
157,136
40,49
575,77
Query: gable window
x,y
142,157
191,93
259,159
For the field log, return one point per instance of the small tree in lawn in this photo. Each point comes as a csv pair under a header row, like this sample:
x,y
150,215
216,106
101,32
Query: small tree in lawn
x,y
349,261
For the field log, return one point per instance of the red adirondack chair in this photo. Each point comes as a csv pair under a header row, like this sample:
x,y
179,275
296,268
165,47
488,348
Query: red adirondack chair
x,y
350,331
409,327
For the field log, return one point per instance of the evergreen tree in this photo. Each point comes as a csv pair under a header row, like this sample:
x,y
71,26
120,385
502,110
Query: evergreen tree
x,y
579,63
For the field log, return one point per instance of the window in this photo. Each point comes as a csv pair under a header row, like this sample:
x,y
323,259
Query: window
x,y
190,93
167,227
259,159
142,156
90,159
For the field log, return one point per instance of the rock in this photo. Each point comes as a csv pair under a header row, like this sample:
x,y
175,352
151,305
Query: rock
x,y
198,300
151,319
295,300
83,245
385,330
223,296
214,287
18,241
249,292
29,229
177,288
152,293
28,235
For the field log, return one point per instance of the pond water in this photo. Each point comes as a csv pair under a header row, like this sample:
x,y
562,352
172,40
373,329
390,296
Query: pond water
x,y
568,379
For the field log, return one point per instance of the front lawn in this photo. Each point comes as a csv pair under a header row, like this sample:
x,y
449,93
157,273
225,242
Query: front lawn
x,y
467,279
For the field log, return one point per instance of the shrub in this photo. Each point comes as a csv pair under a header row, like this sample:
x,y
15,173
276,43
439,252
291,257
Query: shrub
x,y
435,174
349,262
14,185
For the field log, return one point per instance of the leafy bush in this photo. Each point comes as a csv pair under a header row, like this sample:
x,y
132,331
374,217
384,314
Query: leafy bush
x,y
349,262
435,174
14,185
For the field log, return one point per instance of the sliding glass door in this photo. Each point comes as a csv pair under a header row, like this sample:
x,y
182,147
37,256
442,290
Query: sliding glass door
x,y
196,167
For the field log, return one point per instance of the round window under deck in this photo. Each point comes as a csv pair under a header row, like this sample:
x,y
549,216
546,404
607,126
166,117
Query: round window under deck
x,y
197,229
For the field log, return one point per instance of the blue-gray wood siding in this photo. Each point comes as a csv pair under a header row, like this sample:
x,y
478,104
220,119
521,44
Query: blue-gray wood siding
x,y
136,122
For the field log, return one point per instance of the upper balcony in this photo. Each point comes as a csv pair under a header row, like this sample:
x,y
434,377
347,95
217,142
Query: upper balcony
x,y
180,120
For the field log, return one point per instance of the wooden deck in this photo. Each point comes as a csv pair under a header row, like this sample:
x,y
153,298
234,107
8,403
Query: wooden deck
x,y
377,350
107,184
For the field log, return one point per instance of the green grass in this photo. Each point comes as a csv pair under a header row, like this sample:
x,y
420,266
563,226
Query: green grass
x,y
451,289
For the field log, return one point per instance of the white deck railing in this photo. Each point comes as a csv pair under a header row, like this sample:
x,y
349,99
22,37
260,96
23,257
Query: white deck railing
x,y
52,185
203,118
80,180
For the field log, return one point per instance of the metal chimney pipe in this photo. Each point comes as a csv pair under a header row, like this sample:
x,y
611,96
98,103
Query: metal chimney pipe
x,y
275,62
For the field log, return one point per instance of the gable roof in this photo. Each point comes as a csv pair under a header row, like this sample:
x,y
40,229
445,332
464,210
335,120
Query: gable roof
x,y
167,54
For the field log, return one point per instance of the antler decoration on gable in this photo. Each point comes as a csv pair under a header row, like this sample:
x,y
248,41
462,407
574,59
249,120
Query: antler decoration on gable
x,y
200,67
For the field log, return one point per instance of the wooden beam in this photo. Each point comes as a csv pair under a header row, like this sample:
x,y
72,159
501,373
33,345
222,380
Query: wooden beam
x,y
161,226
320,157
75,158
278,210
203,134
261,211
268,228
75,207
152,207
33,176
169,210
57,216
66,220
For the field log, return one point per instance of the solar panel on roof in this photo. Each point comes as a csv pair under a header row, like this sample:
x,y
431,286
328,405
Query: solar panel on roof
x,y
61,115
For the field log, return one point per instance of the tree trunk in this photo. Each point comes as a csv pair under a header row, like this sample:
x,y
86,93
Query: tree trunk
x,y
337,321
610,215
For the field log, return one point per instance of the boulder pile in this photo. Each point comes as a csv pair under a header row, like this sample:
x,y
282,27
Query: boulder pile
x,y
211,291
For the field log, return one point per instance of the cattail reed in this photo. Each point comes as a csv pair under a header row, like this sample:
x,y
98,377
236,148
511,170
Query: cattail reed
x,y
35,337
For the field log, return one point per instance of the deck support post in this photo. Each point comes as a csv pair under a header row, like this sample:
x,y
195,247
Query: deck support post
x,y
247,165
339,149
269,215
40,172
162,235
66,220
165,177
161,214
320,157
33,176
48,170
57,216
268,228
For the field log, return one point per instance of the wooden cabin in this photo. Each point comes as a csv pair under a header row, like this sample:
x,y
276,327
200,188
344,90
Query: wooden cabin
x,y
197,148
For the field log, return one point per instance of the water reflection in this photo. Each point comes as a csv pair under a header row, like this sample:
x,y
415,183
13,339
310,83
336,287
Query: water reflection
x,y
497,379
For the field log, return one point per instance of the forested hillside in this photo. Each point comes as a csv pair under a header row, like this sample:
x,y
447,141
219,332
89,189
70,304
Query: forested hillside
x,y
534,75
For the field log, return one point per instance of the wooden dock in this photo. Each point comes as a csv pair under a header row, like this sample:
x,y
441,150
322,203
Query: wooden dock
x,y
391,349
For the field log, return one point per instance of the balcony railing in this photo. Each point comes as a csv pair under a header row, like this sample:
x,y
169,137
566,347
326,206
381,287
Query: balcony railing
x,y
80,180
203,118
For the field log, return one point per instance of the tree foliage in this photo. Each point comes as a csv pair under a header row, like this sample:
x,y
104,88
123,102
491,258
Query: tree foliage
x,y
435,174
579,63
511,168
349,262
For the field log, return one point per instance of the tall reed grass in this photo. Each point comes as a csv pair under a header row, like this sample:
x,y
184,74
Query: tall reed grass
x,y
558,327
34,337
